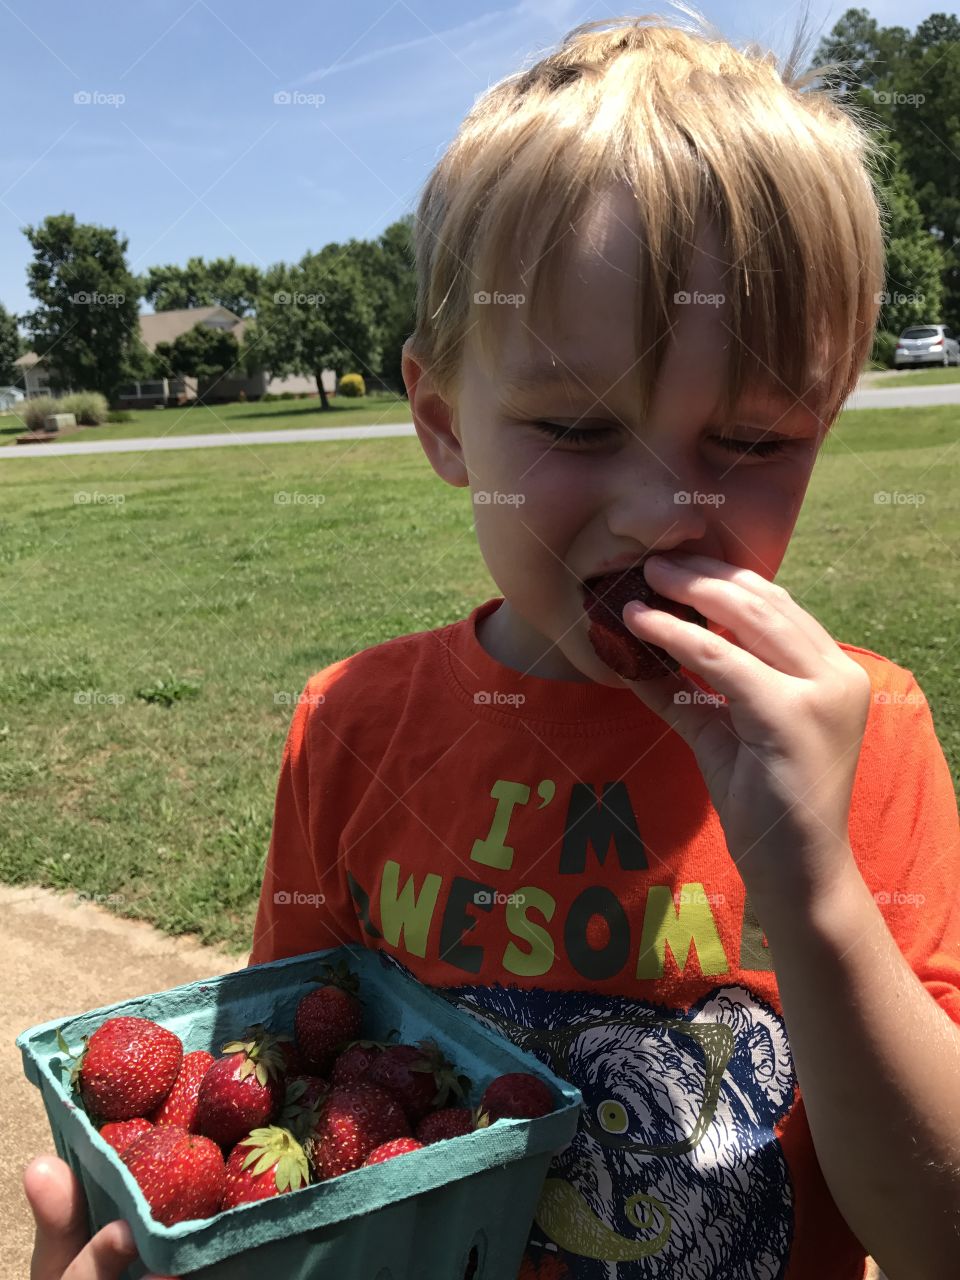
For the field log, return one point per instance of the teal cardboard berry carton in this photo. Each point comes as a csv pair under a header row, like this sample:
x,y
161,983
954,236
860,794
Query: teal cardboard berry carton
x,y
418,1216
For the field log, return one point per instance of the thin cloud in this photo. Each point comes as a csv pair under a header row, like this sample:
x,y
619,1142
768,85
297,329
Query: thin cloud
x,y
404,46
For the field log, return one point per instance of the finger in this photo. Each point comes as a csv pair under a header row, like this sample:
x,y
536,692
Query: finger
x,y
778,597
744,680
59,1214
756,622
62,1250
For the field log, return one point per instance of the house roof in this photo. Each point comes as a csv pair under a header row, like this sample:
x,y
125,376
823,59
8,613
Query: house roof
x,y
165,326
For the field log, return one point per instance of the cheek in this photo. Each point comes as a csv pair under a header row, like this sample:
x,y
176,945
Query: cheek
x,y
761,516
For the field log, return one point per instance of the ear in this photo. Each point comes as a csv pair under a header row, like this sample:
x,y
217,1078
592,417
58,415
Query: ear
x,y
435,421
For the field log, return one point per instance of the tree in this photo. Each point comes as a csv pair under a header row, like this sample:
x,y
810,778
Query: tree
x,y
11,348
86,326
312,316
868,50
201,352
399,314
223,282
914,260
908,87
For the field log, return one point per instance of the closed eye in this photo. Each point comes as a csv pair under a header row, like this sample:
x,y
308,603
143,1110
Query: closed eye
x,y
591,435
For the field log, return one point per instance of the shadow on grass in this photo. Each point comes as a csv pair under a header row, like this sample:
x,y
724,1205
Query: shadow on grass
x,y
276,410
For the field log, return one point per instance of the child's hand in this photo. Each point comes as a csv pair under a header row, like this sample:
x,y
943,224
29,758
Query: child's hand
x,y
779,755
61,1250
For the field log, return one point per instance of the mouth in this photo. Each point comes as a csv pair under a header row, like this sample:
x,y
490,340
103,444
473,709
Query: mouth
x,y
604,598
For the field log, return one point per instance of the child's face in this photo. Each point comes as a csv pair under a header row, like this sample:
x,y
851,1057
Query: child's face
x,y
560,512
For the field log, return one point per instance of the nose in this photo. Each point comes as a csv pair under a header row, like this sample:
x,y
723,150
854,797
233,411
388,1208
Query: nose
x,y
654,501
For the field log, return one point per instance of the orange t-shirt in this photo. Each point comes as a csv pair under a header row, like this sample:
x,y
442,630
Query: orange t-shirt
x,y
546,854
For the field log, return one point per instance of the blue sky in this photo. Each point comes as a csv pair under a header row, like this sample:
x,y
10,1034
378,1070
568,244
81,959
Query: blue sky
x,y
183,148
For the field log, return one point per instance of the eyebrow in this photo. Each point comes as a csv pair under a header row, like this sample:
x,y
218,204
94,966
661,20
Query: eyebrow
x,y
533,377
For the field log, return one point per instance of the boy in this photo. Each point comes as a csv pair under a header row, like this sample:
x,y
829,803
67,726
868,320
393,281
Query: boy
x,y
694,894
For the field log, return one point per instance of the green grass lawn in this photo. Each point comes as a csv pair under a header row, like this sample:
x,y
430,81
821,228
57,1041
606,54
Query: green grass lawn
x,y
201,590
271,415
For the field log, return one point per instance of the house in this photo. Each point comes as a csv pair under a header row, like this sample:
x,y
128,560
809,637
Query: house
x,y
166,326
10,397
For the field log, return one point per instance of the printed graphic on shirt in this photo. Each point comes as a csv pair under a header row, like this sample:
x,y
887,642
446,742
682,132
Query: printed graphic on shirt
x,y
675,1169
595,936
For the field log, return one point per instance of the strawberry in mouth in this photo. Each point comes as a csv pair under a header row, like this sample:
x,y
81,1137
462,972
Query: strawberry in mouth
x,y
604,597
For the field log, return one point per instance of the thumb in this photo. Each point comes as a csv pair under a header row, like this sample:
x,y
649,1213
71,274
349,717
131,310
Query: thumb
x,y
56,1201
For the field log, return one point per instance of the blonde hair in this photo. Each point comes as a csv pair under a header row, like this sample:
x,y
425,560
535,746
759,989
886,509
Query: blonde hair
x,y
695,128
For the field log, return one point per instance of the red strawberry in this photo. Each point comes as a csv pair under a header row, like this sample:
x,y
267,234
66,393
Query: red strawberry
x,y
180,1174
354,1063
419,1076
180,1106
268,1162
327,1017
352,1121
450,1122
630,657
127,1067
517,1095
121,1133
396,1147
243,1090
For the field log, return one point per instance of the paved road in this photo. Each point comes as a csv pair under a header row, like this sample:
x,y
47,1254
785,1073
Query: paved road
x,y
880,397
873,397
298,435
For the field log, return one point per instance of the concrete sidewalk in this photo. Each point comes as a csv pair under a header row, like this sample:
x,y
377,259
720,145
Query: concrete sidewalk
x,y
62,956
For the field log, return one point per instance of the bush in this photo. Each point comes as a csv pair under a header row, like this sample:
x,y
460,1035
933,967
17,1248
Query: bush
x,y
89,407
884,345
287,395
37,408
352,384
119,415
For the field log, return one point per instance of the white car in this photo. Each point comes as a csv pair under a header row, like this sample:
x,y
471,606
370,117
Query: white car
x,y
927,344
